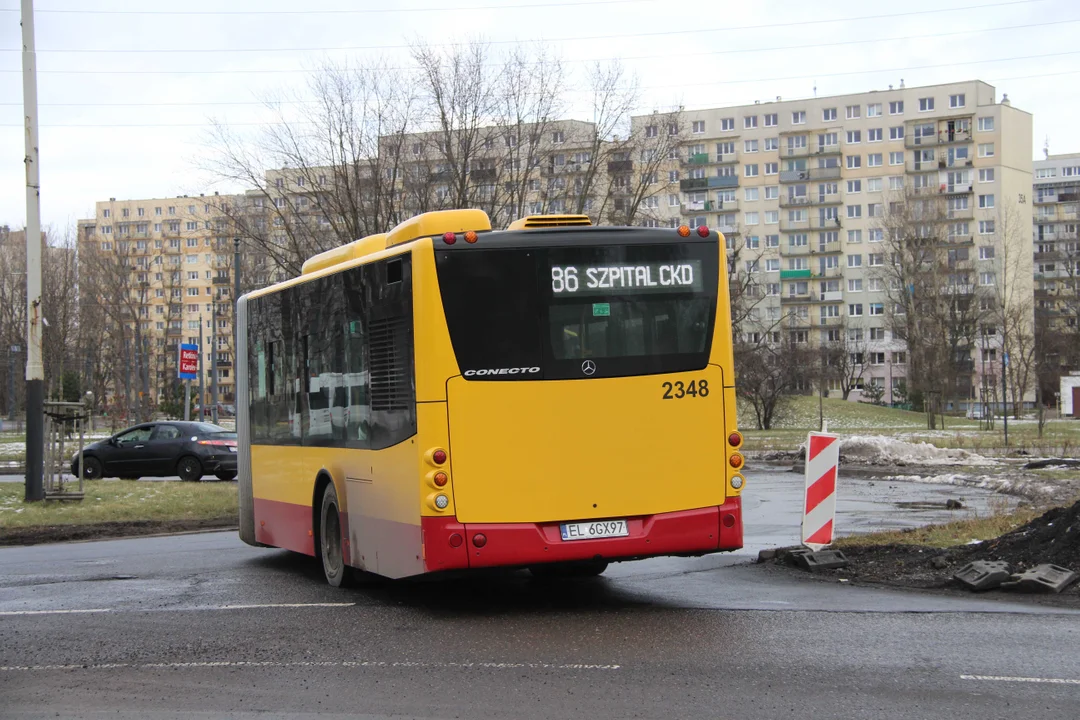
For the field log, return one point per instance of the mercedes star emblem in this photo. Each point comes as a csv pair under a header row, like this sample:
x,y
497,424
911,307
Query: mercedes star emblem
x,y
588,367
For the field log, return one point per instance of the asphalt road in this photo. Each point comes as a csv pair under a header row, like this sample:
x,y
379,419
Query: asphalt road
x,y
202,626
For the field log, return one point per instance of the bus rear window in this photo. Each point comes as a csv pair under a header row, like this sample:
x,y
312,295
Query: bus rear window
x,y
532,313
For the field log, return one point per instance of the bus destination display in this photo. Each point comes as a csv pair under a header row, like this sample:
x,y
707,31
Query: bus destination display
x,y
628,279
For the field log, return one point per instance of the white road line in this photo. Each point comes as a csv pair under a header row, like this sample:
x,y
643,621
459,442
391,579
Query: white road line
x,y
312,663
54,612
261,606
1001,678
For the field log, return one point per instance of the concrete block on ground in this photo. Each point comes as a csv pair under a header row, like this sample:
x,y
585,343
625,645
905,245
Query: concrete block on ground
x,y
983,574
822,560
1042,578
790,556
766,555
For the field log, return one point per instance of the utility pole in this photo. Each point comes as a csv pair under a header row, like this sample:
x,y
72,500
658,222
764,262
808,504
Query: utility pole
x,y
213,363
13,351
235,330
202,393
1005,396
35,369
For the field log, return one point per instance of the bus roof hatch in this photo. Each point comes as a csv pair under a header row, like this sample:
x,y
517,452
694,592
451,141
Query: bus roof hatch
x,y
438,222
546,221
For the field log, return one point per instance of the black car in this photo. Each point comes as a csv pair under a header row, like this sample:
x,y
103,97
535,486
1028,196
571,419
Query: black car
x,y
162,449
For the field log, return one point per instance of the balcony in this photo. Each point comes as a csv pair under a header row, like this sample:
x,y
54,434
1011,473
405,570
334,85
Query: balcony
x,y
219,280
790,176
728,229
1046,198
795,152
620,166
698,159
727,158
793,250
832,296
824,150
723,181
795,274
956,189
1052,255
729,205
794,201
832,272
835,321
693,184
944,137
960,214
794,225
800,298
174,332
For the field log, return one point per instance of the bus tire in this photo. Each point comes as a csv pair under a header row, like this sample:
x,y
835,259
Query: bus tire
x,y
330,542
578,569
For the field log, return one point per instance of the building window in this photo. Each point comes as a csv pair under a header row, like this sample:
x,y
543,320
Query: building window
x,y
772,192
896,107
771,241
798,117
854,285
926,104
854,261
854,161
956,101
854,211
750,170
986,175
751,218
770,120
986,227
854,236
896,158
853,111
559,137
986,252
987,278
751,194
874,210
750,121
772,217
854,310
874,184
726,124
986,201
854,137
986,150
873,135
986,124
750,146
854,186
772,144
698,127
873,160
772,168
828,114
875,260
873,110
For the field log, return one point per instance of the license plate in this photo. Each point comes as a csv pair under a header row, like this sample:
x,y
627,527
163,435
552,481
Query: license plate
x,y
232,449
593,530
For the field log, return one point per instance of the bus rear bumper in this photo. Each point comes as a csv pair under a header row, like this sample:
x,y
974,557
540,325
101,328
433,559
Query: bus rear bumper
x,y
685,532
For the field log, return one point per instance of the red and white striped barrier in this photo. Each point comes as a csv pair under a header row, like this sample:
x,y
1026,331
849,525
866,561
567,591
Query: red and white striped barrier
x,y
819,506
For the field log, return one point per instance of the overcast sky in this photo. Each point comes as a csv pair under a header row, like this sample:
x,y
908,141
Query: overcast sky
x,y
177,65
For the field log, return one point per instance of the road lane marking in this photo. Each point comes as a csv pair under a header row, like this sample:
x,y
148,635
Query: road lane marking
x,y
260,606
1003,678
317,663
54,612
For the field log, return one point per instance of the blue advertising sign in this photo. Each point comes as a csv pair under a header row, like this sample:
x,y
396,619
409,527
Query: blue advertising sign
x,y
188,367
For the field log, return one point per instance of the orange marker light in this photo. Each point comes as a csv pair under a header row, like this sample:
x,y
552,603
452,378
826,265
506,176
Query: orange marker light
x,y
470,237
440,478
684,230
736,461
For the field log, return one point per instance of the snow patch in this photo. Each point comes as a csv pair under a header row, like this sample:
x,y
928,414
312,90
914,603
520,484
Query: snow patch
x,y
881,450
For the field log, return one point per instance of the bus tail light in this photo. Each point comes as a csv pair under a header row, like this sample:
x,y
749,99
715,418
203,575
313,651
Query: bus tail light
x,y
703,231
729,520
737,482
684,230
456,540
440,479
438,456
479,540
471,236
736,460
449,238
734,439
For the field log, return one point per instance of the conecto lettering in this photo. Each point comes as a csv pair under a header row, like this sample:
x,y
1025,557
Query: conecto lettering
x,y
501,371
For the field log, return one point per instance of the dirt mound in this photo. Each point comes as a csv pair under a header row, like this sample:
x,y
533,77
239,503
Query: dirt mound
x,y
101,531
1054,537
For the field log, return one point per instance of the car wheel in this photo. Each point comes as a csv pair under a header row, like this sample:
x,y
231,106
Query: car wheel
x,y
226,476
559,571
330,544
189,468
92,469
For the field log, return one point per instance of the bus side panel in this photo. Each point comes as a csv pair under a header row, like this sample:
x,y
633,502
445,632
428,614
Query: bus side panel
x,y
243,429
721,354
381,500
430,334
282,484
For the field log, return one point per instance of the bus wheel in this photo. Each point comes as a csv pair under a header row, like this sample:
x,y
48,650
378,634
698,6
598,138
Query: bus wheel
x,y
579,569
330,545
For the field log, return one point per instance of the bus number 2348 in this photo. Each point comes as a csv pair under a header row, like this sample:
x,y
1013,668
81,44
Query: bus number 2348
x,y
679,390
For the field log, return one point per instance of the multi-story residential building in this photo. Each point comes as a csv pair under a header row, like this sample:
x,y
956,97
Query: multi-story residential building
x,y
806,192
160,269
1057,264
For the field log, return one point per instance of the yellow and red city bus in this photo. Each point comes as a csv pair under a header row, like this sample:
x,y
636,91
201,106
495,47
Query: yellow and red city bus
x,y
443,397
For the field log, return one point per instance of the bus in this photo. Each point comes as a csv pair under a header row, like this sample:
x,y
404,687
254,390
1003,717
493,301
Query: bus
x,y
441,397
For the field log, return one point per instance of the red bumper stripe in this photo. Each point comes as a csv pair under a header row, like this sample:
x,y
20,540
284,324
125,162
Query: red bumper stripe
x,y
284,525
509,544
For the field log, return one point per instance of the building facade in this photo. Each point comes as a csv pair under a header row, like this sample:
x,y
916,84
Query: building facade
x,y
803,191
155,273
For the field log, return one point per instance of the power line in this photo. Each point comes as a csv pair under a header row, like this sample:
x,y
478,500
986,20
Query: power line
x,y
800,23
332,11
585,60
667,86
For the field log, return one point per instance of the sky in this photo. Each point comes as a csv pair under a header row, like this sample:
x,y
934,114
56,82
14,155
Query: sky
x,y
128,89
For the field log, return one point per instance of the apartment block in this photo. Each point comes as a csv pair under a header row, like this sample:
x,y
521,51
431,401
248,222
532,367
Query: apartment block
x,y
802,190
162,268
